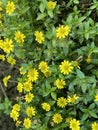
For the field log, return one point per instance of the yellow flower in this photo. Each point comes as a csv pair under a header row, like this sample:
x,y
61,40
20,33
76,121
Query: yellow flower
x,y
96,98
30,111
47,73
72,99
29,97
43,66
18,122
14,115
5,80
60,83
88,60
62,31
61,102
8,45
46,106
75,124
19,37
39,36
27,123
10,7
20,87
32,75
95,126
66,67
27,86
16,107
2,57
57,118
11,60
51,4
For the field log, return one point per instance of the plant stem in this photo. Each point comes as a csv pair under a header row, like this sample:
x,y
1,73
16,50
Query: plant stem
x,y
3,91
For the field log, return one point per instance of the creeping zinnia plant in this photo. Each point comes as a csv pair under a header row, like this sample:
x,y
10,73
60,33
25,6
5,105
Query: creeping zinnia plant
x,y
49,64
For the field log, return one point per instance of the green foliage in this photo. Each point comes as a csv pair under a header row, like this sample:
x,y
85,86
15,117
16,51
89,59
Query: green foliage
x,y
5,107
79,47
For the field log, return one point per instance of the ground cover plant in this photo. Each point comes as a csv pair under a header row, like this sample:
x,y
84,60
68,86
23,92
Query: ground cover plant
x,y
49,64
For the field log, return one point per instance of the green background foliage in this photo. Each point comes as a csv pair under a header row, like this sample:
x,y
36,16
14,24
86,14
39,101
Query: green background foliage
x,y
31,15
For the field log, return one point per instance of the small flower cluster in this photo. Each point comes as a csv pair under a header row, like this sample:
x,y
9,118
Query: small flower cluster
x,y
43,66
15,113
49,77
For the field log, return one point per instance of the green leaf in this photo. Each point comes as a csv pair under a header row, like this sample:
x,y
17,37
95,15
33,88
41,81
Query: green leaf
x,y
84,88
84,117
23,11
92,106
42,7
93,114
80,74
20,53
50,13
54,95
2,107
41,16
48,86
95,50
76,1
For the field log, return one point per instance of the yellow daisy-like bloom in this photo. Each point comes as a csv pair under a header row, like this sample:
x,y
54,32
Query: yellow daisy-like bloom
x,y
2,57
29,97
57,118
27,123
95,126
61,102
39,36
11,60
30,111
51,4
10,7
43,66
8,45
14,115
46,106
60,83
27,86
62,31
20,87
72,99
32,75
19,37
16,107
18,122
75,124
47,73
96,98
5,80
66,67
